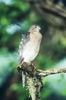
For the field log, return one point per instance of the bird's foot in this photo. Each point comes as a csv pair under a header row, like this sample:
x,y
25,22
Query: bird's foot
x,y
29,63
27,67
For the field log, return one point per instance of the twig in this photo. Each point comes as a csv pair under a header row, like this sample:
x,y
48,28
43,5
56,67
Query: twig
x,y
50,72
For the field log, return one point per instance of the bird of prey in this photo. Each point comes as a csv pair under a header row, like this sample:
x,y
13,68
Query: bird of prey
x,y
29,46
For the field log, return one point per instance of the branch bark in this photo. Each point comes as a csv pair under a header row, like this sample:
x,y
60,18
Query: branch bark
x,y
34,78
50,72
34,83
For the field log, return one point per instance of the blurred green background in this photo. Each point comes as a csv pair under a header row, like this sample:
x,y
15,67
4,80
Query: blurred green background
x,y
16,17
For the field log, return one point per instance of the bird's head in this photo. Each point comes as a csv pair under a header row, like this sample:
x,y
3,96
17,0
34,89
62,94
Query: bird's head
x,y
34,28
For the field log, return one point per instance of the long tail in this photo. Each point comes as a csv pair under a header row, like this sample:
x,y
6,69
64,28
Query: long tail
x,y
23,79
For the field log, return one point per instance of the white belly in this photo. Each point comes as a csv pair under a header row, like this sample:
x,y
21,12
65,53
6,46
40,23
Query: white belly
x,y
30,52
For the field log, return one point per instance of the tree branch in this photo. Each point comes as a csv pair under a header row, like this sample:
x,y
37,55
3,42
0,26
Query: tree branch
x,y
34,78
34,83
50,72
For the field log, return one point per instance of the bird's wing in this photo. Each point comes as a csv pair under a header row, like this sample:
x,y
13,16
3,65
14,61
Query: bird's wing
x,y
25,39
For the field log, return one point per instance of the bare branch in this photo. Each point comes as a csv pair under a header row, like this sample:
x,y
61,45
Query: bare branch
x,y
50,72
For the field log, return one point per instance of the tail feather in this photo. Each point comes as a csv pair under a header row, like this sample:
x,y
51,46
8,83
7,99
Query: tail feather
x,y
23,79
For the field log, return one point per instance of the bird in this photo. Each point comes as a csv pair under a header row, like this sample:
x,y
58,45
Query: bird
x,y
29,46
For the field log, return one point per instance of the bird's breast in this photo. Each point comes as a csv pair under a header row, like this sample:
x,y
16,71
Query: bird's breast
x,y
30,51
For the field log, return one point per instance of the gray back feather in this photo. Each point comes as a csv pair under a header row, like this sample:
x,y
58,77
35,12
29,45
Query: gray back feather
x,y
25,39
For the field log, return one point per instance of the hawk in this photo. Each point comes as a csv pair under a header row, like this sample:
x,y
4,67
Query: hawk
x,y
29,46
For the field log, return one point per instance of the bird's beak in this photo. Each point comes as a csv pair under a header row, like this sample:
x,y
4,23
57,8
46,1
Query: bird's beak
x,y
38,27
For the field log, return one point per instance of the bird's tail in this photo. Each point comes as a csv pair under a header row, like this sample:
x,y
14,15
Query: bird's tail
x,y
23,79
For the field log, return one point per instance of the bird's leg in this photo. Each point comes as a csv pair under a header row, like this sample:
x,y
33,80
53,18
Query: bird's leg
x,y
30,64
20,65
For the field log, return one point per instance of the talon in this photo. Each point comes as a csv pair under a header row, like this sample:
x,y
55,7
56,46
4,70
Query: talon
x,y
28,63
32,64
22,62
19,68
